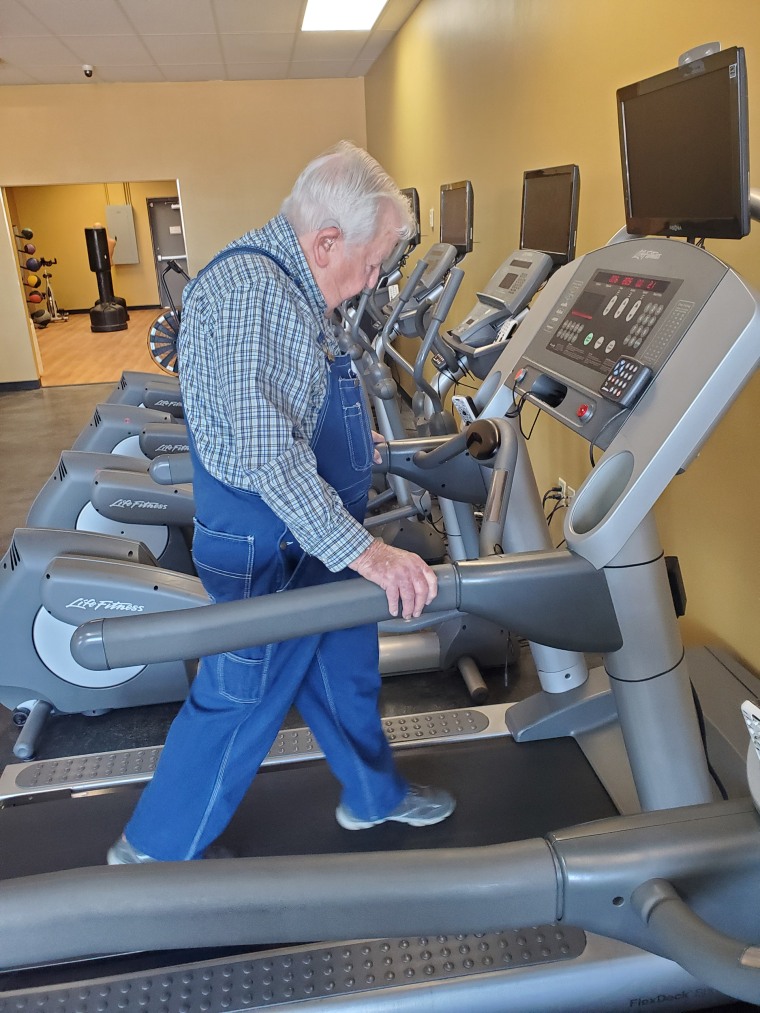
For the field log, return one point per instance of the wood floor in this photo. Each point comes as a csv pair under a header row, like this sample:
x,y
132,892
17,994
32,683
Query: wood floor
x,y
73,354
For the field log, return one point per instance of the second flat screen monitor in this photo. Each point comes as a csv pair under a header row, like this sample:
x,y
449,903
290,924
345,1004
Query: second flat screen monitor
x,y
457,216
549,219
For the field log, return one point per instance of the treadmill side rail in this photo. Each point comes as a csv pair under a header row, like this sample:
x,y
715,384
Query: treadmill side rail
x,y
554,598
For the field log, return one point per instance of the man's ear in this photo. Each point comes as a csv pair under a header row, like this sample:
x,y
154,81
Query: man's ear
x,y
324,240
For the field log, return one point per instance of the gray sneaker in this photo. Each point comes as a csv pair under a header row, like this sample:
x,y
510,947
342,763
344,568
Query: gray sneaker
x,y
122,853
420,807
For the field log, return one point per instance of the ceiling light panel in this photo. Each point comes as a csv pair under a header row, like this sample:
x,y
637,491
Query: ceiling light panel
x,y
341,15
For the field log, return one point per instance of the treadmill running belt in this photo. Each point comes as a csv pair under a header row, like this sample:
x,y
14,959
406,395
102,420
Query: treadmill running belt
x,y
504,792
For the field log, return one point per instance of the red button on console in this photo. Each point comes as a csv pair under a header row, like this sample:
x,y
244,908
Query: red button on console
x,y
584,412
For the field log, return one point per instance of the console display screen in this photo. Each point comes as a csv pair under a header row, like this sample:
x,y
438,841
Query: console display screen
x,y
614,315
684,142
508,280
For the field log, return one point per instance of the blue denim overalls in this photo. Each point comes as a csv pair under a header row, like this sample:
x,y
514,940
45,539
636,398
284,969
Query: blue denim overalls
x,y
238,701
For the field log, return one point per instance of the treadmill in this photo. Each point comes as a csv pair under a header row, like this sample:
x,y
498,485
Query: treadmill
x,y
620,878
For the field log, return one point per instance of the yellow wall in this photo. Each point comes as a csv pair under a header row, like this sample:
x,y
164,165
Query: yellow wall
x,y
58,216
21,361
234,147
488,88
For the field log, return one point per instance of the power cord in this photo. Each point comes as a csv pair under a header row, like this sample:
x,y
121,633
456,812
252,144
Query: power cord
x,y
528,435
561,505
554,493
514,413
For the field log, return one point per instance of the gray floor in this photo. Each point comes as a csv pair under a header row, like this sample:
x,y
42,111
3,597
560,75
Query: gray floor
x,y
35,426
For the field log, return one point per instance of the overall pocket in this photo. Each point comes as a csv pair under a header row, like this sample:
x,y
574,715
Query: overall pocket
x,y
241,676
356,422
225,565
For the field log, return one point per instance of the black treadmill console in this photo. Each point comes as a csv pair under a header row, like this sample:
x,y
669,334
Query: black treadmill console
x,y
615,314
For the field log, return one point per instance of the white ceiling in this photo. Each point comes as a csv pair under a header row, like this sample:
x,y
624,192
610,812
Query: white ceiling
x,y
48,41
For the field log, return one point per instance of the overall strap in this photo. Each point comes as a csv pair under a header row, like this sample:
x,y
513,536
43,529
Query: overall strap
x,y
233,251
256,250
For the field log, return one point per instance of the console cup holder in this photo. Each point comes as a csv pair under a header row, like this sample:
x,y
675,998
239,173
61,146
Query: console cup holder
x,y
601,491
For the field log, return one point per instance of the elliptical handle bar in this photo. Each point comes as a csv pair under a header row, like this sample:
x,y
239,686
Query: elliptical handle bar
x,y
440,312
385,346
426,460
405,296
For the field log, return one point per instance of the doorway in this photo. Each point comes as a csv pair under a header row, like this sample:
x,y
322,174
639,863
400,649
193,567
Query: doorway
x,y
57,214
168,239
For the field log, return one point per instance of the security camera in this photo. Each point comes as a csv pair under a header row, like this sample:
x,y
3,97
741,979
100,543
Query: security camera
x,y
87,70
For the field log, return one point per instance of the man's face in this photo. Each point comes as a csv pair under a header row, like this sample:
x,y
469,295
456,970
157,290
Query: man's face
x,y
354,268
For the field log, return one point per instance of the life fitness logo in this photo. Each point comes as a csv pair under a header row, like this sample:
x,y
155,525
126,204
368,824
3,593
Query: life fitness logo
x,y
104,605
647,255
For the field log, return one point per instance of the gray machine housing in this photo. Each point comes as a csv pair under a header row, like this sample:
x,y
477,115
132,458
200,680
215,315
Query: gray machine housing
x,y
116,429
38,666
116,495
148,390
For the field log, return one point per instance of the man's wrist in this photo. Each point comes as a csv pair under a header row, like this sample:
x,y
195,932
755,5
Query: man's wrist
x,y
366,555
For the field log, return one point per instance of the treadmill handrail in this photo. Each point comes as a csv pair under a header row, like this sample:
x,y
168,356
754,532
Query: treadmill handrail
x,y
552,597
249,901
234,901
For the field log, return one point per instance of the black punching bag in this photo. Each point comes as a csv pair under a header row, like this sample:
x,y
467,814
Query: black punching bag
x,y
108,314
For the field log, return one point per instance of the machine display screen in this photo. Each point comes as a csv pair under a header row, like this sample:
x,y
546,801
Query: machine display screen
x,y
550,211
413,198
615,314
508,280
684,142
457,209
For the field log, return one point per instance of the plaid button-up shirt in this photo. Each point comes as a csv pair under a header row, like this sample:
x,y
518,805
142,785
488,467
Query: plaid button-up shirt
x,y
253,373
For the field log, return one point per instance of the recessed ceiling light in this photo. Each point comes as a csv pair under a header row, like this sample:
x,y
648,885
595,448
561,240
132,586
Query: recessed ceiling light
x,y
341,15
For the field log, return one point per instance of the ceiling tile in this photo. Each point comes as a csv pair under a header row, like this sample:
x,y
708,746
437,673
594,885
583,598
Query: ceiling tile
x,y
329,45
13,75
114,50
320,68
17,20
178,49
80,17
258,15
36,50
267,47
257,71
52,73
198,72
362,67
376,44
170,17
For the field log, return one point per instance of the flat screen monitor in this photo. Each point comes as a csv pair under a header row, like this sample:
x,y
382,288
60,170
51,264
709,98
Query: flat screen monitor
x,y
549,221
457,209
412,196
684,148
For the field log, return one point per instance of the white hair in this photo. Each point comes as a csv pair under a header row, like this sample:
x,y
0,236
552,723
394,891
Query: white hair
x,y
345,188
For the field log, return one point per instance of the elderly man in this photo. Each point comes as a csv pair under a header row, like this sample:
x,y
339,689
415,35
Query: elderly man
x,y
282,451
